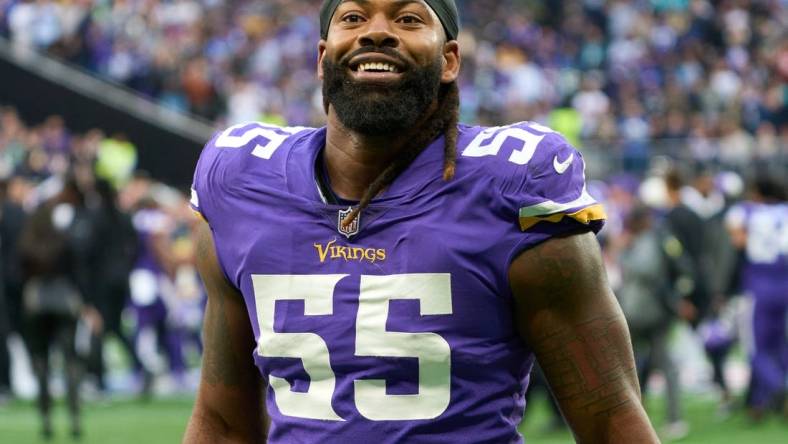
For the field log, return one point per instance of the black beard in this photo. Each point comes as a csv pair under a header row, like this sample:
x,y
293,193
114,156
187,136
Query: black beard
x,y
376,110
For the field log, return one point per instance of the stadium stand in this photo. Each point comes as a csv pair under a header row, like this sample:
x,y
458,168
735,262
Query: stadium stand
x,y
700,79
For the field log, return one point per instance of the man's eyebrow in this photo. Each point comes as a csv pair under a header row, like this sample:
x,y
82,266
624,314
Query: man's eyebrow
x,y
398,3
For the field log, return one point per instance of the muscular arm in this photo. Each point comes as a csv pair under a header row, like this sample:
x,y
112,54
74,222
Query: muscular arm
x,y
570,318
229,407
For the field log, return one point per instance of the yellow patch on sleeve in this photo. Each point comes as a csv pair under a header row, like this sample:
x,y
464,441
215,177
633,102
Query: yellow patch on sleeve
x,y
584,216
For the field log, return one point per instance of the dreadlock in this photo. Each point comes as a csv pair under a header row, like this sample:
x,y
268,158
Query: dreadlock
x,y
443,121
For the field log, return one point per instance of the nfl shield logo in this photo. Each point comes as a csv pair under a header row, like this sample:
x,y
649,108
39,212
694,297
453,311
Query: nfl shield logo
x,y
352,229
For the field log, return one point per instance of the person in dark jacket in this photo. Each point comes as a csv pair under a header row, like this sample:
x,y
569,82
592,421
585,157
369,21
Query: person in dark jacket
x,y
113,261
12,219
50,249
689,229
654,273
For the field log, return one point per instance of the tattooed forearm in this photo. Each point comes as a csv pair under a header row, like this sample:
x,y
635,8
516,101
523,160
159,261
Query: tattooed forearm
x,y
569,317
589,365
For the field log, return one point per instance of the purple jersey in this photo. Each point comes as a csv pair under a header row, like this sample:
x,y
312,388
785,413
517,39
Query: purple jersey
x,y
149,222
146,277
400,328
766,252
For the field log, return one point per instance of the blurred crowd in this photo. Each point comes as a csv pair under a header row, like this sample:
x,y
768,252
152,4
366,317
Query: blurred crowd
x,y
93,249
619,74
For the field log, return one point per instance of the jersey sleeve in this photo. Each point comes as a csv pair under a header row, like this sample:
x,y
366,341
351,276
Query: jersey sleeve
x,y
208,182
232,154
549,195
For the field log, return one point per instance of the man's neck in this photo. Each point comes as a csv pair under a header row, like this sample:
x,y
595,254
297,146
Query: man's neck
x,y
353,161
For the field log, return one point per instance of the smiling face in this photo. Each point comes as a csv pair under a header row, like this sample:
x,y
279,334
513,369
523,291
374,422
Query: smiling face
x,y
383,63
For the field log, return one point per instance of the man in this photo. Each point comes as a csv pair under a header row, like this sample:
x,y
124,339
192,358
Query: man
x,y
389,289
113,262
656,275
52,253
759,228
689,229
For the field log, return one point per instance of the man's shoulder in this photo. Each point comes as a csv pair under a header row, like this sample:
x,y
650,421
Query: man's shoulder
x,y
257,148
256,140
516,148
532,168
521,156
246,153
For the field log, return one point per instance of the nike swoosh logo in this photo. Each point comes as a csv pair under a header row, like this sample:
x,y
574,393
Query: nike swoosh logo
x,y
561,167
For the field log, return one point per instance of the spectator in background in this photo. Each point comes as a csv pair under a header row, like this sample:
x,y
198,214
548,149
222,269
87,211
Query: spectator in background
x,y
653,267
759,228
688,228
115,258
53,302
151,277
718,260
186,297
5,330
12,221
660,68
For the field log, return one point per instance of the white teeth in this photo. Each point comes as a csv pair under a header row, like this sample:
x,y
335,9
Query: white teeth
x,y
377,67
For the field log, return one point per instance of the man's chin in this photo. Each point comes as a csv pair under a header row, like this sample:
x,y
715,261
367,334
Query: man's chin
x,y
374,99
374,118
368,90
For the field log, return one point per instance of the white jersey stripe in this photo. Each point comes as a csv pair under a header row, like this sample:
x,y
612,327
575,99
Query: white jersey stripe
x,y
549,207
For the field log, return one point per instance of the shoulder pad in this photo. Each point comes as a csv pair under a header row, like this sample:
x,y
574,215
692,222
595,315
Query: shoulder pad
x,y
540,174
230,152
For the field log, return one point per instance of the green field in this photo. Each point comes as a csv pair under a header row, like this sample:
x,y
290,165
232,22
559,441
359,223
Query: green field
x,y
162,422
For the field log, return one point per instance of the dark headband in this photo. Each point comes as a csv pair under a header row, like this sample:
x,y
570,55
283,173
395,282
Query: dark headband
x,y
446,10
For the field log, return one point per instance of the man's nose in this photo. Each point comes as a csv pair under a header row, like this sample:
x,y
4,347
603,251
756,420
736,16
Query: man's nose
x,y
379,32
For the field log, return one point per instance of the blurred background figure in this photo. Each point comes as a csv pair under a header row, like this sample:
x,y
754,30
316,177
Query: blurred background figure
x,y
759,227
5,328
151,277
52,249
688,228
115,257
655,279
12,220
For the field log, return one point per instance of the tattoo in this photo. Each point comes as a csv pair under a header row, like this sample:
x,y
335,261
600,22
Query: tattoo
x,y
573,324
587,365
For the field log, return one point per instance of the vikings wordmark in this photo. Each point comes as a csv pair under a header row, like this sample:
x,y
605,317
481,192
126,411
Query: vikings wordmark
x,y
333,251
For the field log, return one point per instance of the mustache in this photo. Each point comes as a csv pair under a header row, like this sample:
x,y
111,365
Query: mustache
x,y
345,61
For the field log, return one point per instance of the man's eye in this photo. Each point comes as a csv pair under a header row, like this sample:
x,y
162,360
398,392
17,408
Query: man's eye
x,y
352,18
410,19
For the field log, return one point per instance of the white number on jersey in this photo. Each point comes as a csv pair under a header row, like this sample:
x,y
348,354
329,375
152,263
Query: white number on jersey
x,y
767,238
317,293
262,150
490,141
433,291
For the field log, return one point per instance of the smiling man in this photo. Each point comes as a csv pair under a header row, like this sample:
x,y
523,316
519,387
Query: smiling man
x,y
391,277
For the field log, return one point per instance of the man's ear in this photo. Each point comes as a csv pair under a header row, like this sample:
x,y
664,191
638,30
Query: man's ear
x,y
451,61
321,53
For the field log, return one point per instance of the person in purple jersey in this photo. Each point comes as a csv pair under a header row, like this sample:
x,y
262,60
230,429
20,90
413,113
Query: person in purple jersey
x,y
393,275
760,229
